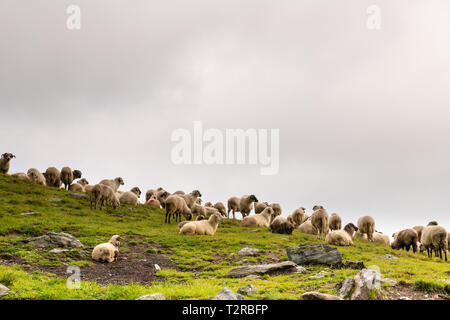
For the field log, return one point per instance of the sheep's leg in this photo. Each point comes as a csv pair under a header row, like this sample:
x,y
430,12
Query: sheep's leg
x,y
445,253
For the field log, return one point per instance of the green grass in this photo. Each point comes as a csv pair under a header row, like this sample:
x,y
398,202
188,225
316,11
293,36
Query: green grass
x,y
202,261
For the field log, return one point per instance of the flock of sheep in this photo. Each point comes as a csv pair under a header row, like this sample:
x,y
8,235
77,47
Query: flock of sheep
x,y
432,238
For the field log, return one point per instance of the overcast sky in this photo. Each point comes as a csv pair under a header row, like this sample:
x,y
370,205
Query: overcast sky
x,y
363,114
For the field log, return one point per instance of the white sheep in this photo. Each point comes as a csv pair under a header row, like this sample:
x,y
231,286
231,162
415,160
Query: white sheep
x,y
298,217
191,198
130,197
221,207
335,222
262,219
176,206
319,220
104,193
246,204
202,227
366,225
307,227
67,176
79,186
281,225
4,162
107,252
21,176
52,177
36,176
113,184
276,208
342,237
435,238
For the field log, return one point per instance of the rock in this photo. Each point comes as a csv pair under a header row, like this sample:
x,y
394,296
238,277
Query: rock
x,y
314,254
247,252
262,269
155,296
300,269
157,267
346,287
320,275
52,239
353,264
54,200
56,250
248,290
4,291
227,294
253,276
365,281
29,214
404,298
318,296
256,230
388,257
390,282
79,196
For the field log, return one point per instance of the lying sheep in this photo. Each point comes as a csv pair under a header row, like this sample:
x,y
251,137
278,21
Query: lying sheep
x,y
405,239
104,194
21,175
113,184
260,206
262,219
335,222
221,207
150,193
342,237
131,197
52,177
298,217
67,176
319,220
435,238
153,202
176,206
377,237
4,162
281,225
276,208
37,177
246,204
308,228
202,227
107,252
79,186
191,198
366,225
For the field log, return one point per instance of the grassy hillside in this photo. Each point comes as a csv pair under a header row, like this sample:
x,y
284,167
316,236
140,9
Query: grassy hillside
x,y
192,267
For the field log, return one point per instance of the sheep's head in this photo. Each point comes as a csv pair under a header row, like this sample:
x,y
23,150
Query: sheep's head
x,y
196,193
208,204
163,195
350,228
159,189
83,182
303,209
188,214
115,240
317,207
77,174
136,191
432,223
216,217
253,198
8,156
119,180
198,201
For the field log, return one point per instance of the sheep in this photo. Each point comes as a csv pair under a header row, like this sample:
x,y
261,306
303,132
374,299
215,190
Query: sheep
x,y
262,219
191,198
307,227
405,239
319,220
37,177
233,205
366,225
342,237
335,222
246,204
67,176
52,177
102,192
21,175
4,162
107,252
88,188
176,206
276,208
202,227
113,184
377,237
260,206
198,210
208,204
281,225
435,238
162,195
79,186
221,207
198,201
419,230
150,193
298,217
317,207
153,202
131,197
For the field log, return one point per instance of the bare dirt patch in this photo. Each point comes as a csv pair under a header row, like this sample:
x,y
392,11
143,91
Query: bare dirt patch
x,y
404,290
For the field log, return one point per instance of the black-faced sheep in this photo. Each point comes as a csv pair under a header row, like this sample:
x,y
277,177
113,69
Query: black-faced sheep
x,y
335,222
202,227
4,162
150,193
405,239
298,217
366,225
153,202
36,176
319,220
162,195
52,177
435,238
281,225
67,176
262,219
342,237
107,252
246,204
176,206
103,193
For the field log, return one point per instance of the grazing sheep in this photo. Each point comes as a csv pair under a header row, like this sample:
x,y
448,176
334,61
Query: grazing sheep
x,y
335,222
4,162
221,207
191,198
233,205
366,225
319,220
208,204
281,225
262,219
107,252
153,202
405,239
435,238
113,184
21,175
176,206
298,217
131,197
246,204
198,210
104,193
202,227
37,177
342,237
67,176
79,185
52,177
307,227
260,206
276,208
162,195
